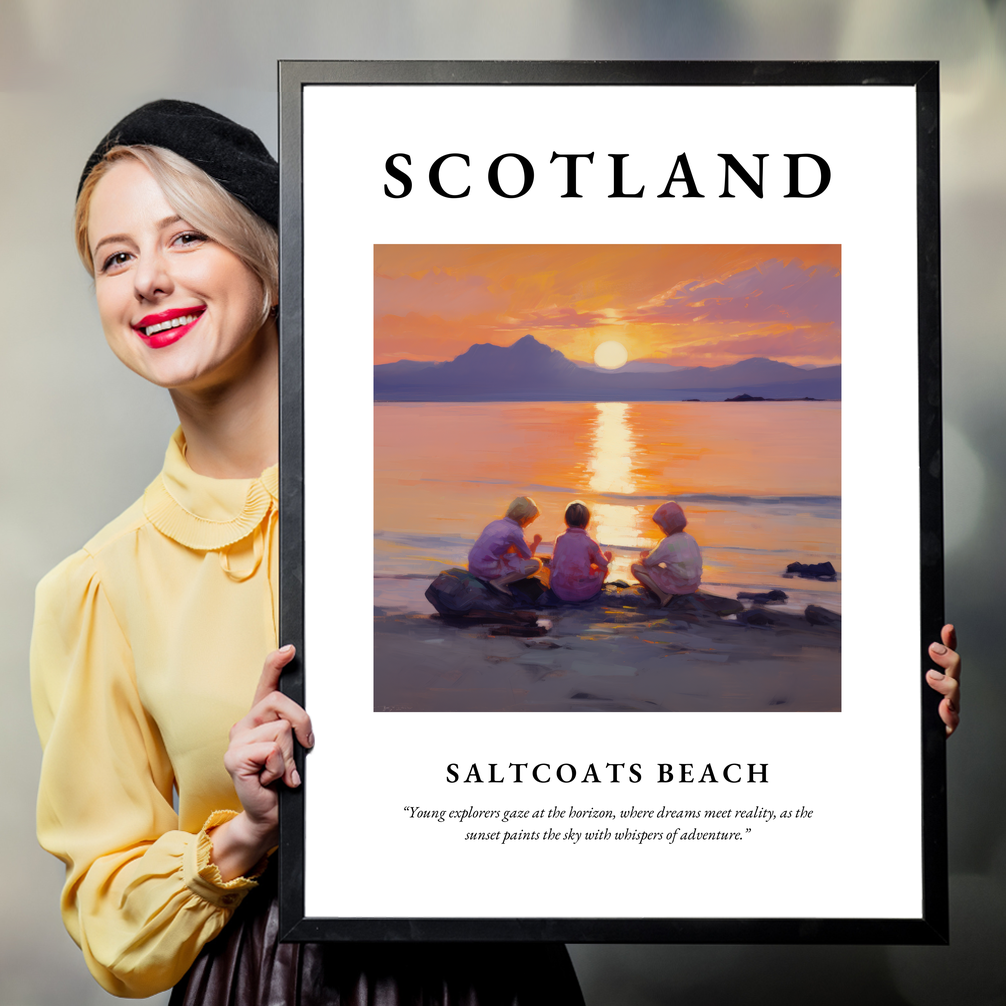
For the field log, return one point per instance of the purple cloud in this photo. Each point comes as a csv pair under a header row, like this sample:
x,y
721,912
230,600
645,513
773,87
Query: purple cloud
x,y
770,292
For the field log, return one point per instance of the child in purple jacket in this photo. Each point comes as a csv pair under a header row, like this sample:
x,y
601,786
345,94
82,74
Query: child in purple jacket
x,y
501,555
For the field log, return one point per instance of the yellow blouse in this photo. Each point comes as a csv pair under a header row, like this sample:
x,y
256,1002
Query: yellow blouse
x,y
147,647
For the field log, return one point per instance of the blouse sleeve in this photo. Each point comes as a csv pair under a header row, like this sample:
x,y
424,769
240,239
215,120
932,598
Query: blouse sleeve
x,y
141,898
516,538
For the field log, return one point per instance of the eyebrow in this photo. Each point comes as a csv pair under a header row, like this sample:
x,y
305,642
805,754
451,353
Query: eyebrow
x,y
111,238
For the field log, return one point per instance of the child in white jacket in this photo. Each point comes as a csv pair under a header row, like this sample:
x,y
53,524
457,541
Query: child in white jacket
x,y
674,567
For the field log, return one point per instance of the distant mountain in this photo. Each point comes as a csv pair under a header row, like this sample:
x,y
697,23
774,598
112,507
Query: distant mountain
x,y
756,371
526,364
531,371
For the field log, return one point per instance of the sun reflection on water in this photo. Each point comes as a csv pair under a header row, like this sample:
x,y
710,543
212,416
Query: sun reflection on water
x,y
610,462
611,471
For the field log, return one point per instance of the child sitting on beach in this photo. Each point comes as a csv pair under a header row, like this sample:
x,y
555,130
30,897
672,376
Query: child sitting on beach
x,y
578,568
501,555
674,567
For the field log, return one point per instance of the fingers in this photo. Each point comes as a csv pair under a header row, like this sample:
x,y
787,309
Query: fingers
x,y
945,685
265,751
949,636
944,655
275,768
950,690
261,749
946,681
271,671
279,763
261,763
272,761
278,707
950,716
270,703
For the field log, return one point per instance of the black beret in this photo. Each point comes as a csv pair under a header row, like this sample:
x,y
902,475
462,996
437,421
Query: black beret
x,y
230,154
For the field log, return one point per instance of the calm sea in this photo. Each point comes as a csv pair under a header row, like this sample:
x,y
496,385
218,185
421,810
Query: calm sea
x,y
760,483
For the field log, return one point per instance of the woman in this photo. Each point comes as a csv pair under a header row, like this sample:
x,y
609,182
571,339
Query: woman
x,y
148,643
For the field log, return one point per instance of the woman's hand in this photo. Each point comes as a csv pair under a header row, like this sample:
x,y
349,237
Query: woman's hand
x,y
608,556
947,682
644,553
260,754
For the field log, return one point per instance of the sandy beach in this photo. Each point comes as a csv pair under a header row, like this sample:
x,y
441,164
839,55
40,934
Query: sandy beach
x,y
622,652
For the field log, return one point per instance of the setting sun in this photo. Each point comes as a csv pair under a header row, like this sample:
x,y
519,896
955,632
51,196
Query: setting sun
x,y
611,355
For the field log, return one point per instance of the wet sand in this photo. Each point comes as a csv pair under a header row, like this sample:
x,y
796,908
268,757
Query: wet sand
x,y
622,652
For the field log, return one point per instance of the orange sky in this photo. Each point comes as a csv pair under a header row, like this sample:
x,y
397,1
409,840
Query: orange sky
x,y
687,305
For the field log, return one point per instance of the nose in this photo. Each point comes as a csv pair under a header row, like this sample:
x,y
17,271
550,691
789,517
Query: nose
x,y
152,277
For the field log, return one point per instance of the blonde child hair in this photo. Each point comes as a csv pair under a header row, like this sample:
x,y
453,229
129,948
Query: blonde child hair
x,y
523,510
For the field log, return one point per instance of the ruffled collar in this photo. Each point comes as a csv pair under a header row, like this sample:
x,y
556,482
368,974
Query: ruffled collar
x,y
203,513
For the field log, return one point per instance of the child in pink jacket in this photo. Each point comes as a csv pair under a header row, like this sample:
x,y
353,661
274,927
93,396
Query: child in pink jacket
x,y
674,567
578,568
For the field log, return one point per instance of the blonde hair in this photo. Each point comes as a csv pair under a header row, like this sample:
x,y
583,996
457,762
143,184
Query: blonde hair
x,y
522,510
199,200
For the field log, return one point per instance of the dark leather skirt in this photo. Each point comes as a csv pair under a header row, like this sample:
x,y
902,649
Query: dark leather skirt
x,y
246,965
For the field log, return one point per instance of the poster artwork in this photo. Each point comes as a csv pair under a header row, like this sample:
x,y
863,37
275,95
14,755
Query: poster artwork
x,y
598,468
628,447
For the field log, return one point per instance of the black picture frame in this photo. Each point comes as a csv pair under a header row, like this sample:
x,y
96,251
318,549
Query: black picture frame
x,y
931,926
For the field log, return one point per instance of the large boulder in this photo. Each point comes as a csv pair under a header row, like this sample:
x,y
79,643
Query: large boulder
x,y
817,615
811,570
456,592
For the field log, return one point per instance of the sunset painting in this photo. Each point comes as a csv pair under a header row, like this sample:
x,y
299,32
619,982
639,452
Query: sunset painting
x,y
670,417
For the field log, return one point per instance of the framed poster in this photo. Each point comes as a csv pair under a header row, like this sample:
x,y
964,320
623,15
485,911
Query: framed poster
x,y
611,496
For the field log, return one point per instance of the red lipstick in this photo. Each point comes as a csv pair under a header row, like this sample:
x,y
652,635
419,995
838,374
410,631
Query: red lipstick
x,y
166,325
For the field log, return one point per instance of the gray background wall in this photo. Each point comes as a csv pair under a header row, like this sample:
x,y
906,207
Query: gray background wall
x,y
82,436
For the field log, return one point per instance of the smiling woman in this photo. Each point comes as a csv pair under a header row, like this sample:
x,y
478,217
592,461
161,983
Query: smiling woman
x,y
171,251
154,665
157,279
